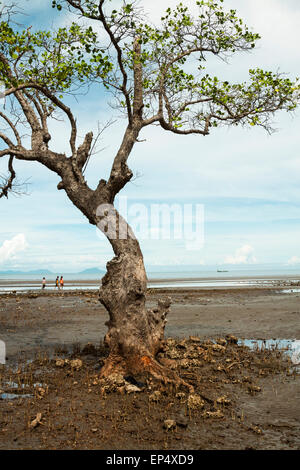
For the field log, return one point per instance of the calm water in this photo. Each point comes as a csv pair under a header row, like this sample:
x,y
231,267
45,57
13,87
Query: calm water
x,y
290,346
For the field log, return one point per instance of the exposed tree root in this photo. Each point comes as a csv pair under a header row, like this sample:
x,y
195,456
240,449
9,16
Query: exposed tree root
x,y
135,335
142,368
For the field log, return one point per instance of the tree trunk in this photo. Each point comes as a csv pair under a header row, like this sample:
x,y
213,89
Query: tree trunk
x,y
135,335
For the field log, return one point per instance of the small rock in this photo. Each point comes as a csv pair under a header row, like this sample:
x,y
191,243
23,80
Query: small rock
x,y
247,379
182,344
41,392
223,400
132,389
253,388
195,339
37,420
213,414
219,348
255,429
76,364
173,354
184,363
103,390
117,379
169,424
60,362
231,339
221,341
191,354
196,362
195,402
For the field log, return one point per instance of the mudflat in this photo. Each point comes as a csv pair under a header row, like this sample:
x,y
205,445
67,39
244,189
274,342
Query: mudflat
x,y
246,399
51,319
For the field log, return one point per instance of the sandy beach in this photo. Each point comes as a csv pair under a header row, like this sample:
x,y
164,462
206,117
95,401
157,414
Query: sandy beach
x,y
51,325
48,319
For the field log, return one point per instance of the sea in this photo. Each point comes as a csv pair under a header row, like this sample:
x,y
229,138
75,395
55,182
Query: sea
x,y
167,277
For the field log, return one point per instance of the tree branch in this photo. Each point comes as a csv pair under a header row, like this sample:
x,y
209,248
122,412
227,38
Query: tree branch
x,y
120,59
13,127
7,185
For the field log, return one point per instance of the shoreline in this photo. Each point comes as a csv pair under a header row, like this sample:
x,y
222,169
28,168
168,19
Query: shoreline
x,y
275,277
21,286
271,290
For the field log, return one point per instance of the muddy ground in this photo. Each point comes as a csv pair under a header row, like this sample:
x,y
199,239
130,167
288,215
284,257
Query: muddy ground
x,y
243,399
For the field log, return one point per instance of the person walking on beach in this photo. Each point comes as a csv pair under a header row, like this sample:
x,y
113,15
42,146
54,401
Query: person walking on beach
x,y
43,283
57,282
61,282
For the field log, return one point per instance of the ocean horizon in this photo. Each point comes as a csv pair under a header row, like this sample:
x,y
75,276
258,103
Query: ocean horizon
x,y
172,271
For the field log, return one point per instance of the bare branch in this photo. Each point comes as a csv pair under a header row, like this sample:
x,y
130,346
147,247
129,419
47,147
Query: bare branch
x,y
120,59
53,98
93,150
13,127
6,185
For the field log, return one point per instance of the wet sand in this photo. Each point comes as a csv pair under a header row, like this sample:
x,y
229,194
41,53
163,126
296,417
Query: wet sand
x,y
220,282
51,319
263,394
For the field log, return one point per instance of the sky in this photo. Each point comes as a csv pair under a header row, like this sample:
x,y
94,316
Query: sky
x,y
245,182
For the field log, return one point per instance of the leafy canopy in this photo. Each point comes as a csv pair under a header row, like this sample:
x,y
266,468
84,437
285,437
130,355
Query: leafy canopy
x,y
176,90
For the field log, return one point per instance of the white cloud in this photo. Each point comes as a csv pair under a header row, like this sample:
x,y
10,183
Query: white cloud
x,y
10,248
243,255
233,163
293,260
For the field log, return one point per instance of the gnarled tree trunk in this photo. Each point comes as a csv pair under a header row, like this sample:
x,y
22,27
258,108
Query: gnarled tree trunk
x,y
135,335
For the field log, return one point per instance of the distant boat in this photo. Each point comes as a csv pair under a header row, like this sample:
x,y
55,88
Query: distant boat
x,y
222,271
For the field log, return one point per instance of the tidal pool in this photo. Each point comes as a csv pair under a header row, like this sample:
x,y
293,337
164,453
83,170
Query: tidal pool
x,y
291,347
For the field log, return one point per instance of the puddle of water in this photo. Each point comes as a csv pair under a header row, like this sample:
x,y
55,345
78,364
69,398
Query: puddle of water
x,y
288,291
13,396
21,386
291,347
15,386
36,289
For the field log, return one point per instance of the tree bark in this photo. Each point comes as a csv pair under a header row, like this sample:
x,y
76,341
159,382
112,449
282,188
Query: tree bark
x,y
135,335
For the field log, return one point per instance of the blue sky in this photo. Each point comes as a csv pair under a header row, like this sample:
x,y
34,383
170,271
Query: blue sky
x,y
248,181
